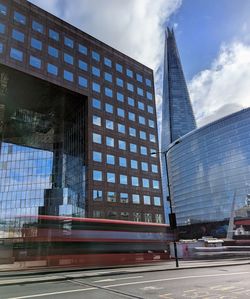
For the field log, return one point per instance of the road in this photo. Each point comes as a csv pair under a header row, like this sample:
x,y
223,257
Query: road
x,y
208,283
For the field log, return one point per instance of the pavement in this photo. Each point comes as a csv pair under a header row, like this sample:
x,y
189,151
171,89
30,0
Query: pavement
x,y
56,274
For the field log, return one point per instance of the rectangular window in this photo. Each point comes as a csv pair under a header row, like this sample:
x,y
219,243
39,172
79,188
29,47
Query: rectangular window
x,y
111,196
107,62
109,124
123,179
110,177
156,184
95,56
96,87
53,35
36,44
82,49
121,128
130,87
119,82
131,102
118,67
16,54
120,112
97,175
110,159
145,183
53,51
68,42
3,9
82,65
97,195
148,82
108,92
129,73
149,96
132,132
151,123
143,135
148,217
37,26
109,108
68,76
97,156
135,181
152,138
52,69
122,144
95,71
146,200
18,35
144,150
158,218
124,197
141,105
144,166
83,82
97,138
157,201
154,168
110,141
134,164
96,103
96,120
19,18
131,116
133,147
139,77
35,62
1,47
2,28
122,162
120,97
68,58
108,77
136,198
150,109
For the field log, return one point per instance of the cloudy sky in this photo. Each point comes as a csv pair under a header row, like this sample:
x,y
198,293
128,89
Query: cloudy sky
x,y
213,39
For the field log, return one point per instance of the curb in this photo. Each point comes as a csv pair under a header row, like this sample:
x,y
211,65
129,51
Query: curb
x,y
70,277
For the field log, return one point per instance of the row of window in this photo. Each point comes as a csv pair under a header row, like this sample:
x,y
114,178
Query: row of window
x,y
123,179
112,196
69,42
146,217
123,162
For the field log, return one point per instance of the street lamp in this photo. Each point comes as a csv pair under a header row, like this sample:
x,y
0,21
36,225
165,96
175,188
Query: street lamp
x,y
172,218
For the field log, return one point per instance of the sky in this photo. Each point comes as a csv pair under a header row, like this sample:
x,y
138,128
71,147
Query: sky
x,y
213,39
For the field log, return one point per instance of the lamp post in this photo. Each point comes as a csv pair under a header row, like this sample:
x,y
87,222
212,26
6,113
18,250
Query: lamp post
x,y
172,218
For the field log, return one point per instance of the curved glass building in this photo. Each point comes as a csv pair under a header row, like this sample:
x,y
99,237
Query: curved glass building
x,y
209,171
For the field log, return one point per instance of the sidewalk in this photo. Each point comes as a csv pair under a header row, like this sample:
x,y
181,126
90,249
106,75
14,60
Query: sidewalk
x,y
45,275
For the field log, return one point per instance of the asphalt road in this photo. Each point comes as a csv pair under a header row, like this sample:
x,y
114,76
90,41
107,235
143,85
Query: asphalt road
x,y
207,283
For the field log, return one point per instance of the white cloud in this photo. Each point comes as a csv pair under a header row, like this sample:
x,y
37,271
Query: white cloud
x,y
225,87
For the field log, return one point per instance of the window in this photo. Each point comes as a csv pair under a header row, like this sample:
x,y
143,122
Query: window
x,y
53,51
135,181
136,198
82,81
109,108
130,87
150,109
134,164
97,120
111,196
68,58
156,184
151,123
137,216
110,177
157,201
142,120
3,9
97,156
144,166
52,69
131,116
108,77
132,132
97,175
145,183
123,179
133,148
146,200
144,150
140,91
18,35
110,141
16,54
95,56
36,44
110,159
19,18
97,138
124,197
139,77
152,138
140,105
109,124
122,162
148,217
120,97
1,47
68,76
37,26
95,71
122,144
121,128
119,82
129,73
120,112
98,214
154,168
131,102
149,96
53,35
35,62
82,65
108,92
143,135
118,67
68,42
2,28
97,195
82,49
107,62
148,82
96,87
96,103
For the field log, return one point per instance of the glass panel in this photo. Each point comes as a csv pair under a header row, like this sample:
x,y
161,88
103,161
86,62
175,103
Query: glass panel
x,y
68,76
20,18
37,26
52,69
82,49
17,35
35,62
35,43
53,35
16,54
68,42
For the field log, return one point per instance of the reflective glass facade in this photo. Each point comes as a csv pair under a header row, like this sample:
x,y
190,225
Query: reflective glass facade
x,y
209,167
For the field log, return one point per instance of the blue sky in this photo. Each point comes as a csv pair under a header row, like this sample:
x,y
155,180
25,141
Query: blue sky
x,y
213,37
